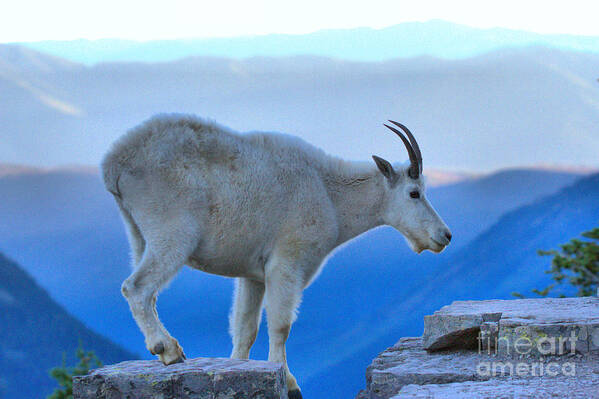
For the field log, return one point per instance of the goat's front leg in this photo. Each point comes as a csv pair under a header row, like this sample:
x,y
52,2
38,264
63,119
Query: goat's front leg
x,y
245,316
283,294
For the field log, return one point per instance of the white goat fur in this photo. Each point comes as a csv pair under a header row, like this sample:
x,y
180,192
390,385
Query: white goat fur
x,y
265,208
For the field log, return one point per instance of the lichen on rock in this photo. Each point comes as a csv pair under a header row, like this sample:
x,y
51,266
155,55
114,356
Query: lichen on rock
x,y
201,378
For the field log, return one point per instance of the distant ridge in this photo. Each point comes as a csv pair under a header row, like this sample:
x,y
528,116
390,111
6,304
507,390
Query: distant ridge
x,y
435,38
36,334
434,177
507,108
10,169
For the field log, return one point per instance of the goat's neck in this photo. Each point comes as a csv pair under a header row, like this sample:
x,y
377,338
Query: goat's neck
x,y
358,199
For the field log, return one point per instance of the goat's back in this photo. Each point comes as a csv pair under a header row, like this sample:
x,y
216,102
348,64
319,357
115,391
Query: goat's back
x,y
258,184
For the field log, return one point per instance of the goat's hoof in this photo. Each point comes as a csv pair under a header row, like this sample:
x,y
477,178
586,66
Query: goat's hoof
x,y
294,394
158,349
179,359
173,354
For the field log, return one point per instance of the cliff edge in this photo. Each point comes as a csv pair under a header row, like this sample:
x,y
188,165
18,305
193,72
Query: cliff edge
x,y
201,378
522,348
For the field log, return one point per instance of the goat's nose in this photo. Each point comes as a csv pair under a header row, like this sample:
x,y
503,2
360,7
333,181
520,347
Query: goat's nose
x,y
448,235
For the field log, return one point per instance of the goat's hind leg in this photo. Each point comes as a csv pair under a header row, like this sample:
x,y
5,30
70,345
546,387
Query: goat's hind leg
x,y
245,316
162,259
283,294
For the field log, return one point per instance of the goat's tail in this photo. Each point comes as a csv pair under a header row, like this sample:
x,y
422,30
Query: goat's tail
x,y
137,243
112,174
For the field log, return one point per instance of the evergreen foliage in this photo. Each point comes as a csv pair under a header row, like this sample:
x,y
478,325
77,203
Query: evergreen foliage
x,y
576,263
64,375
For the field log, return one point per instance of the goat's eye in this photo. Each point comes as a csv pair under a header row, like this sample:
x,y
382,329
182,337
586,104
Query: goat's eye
x,y
415,194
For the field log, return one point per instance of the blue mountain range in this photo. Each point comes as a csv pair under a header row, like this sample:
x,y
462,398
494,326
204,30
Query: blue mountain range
x,y
436,38
369,294
37,334
512,107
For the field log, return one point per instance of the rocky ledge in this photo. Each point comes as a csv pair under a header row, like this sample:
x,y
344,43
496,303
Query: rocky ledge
x,y
202,378
524,348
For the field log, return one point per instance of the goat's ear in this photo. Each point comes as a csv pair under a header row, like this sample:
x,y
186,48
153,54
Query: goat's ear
x,y
384,166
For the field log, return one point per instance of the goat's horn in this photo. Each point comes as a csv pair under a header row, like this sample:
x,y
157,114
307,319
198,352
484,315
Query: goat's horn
x,y
412,141
414,169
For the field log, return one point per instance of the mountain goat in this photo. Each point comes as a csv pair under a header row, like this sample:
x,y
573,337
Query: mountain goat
x,y
264,208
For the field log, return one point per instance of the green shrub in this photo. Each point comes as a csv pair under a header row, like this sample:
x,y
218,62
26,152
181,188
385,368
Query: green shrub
x,y
64,375
576,263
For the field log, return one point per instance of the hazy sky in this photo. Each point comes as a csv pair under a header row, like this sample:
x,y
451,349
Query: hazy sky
x,y
30,20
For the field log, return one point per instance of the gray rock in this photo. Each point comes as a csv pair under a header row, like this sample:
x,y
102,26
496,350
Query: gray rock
x,y
202,378
572,388
406,366
408,363
362,394
550,326
463,365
